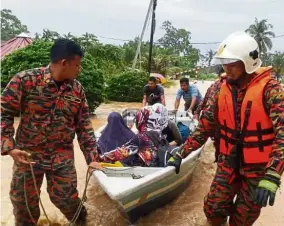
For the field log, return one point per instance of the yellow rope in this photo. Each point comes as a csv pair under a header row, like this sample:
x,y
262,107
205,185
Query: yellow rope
x,y
38,195
78,211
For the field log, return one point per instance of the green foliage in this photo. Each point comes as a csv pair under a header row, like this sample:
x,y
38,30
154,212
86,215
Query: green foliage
x,y
33,56
92,80
262,34
37,55
109,58
172,50
278,64
11,26
177,40
174,70
127,86
209,76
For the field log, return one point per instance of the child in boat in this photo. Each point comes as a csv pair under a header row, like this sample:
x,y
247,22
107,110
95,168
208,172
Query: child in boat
x,y
150,121
115,134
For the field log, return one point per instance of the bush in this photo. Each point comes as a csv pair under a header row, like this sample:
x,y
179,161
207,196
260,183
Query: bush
x,y
32,56
37,55
209,76
127,86
92,80
109,58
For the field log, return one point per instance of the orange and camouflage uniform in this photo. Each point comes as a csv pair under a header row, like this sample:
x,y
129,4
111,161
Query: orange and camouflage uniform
x,y
49,120
210,91
243,182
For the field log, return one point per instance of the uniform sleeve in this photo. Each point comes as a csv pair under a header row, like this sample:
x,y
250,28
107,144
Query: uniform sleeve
x,y
274,104
204,101
85,133
10,108
179,94
206,126
120,153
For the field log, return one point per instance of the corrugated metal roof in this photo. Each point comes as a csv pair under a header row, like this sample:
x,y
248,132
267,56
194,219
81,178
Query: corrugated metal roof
x,y
13,44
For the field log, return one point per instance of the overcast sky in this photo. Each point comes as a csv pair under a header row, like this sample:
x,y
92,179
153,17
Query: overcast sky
x,y
208,20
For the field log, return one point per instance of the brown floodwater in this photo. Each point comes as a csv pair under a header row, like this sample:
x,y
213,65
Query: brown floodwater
x,y
186,209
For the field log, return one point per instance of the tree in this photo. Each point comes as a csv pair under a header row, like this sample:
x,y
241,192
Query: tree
x,y
260,31
86,41
209,57
109,58
92,80
127,86
129,50
32,56
178,40
49,36
37,55
278,64
11,26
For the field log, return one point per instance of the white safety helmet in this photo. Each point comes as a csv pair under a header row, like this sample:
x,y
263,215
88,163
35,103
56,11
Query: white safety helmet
x,y
239,46
158,118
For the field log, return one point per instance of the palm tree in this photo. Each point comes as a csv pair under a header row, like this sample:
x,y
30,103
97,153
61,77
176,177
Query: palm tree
x,y
49,35
260,31
278,64
209,57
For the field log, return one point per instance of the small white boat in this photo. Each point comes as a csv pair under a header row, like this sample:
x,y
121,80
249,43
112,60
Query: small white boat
x,y
140,190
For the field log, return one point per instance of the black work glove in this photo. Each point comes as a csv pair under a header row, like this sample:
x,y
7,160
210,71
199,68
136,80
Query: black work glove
x,y
267,188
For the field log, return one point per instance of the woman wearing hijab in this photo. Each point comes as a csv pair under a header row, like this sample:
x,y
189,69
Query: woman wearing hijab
x,y
115,134
150,121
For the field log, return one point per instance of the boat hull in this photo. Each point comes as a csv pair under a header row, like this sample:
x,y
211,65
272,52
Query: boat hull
x,y
160,190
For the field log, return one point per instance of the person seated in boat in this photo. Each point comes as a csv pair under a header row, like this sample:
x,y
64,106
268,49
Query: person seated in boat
x,y
172,134
115,134
150,121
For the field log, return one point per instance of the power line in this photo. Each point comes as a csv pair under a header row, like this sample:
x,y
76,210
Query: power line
x,y
125,40
192,43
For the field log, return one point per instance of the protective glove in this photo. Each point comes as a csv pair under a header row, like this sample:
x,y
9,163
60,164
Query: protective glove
x,y
175,161
267,188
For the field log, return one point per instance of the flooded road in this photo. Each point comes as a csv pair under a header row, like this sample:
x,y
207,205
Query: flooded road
x,y
187,209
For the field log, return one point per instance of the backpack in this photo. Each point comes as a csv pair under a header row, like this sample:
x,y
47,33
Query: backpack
x,y
184,131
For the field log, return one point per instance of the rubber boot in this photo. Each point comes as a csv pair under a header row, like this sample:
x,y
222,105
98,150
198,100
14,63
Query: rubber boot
x,y
217,221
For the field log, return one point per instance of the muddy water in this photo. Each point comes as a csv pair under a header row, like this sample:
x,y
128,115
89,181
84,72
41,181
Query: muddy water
x,y
184,210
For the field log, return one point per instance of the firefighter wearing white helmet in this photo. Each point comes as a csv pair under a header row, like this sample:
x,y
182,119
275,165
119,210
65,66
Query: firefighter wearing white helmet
x,y
239,46
245,115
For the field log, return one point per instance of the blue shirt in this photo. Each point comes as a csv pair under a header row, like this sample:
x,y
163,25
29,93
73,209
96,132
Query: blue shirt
x,y
192,91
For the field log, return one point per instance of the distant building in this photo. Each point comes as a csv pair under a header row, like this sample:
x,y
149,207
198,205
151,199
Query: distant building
x,y
18,42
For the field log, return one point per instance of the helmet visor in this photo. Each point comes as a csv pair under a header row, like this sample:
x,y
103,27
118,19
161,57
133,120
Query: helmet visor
x,y
222,61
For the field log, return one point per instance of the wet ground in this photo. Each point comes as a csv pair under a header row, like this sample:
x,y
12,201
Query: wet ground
x,y
184,210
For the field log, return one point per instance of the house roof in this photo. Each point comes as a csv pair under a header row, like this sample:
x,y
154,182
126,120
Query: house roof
x,y
18,42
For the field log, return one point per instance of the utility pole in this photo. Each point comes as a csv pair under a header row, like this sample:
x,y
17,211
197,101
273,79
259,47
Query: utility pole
x,y
152,35
142,34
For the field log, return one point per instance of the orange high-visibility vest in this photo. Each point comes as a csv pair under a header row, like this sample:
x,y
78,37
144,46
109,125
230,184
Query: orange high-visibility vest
x,y
257,134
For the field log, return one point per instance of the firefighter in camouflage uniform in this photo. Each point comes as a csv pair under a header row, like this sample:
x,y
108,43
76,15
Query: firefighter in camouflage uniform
x,y
52,107
247,111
